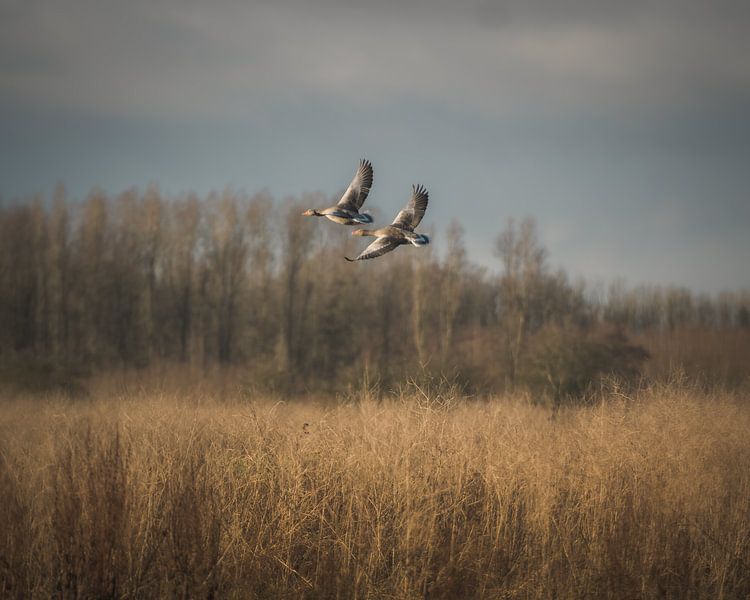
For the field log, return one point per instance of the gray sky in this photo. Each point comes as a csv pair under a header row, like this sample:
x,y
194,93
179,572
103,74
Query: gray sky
x,y
623,127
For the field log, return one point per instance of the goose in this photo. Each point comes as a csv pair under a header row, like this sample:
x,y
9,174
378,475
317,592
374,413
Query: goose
x,y
401,231
346,212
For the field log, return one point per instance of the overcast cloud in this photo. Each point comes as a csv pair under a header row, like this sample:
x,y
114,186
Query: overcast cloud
x,y
623,127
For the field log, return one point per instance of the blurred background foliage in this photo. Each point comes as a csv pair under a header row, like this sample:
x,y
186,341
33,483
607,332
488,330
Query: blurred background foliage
x,y
247,286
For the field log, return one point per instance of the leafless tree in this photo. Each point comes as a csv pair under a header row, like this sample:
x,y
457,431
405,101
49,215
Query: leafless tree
x,y
523,260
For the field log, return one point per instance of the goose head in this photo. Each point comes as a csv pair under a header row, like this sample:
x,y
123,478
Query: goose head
x,y
311,212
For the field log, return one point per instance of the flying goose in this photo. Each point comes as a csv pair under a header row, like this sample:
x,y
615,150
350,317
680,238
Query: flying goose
x,y
401,231
346,211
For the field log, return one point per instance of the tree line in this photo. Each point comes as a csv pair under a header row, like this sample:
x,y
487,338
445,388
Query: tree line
x,y
138,279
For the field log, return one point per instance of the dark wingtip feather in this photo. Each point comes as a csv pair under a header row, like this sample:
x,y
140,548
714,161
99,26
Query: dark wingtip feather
x,y
350,259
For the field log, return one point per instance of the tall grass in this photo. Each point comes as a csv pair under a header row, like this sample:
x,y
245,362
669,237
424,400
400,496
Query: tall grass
x,y
137,495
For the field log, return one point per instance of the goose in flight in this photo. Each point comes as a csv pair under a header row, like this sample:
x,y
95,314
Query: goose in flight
x,y
346,211
401,231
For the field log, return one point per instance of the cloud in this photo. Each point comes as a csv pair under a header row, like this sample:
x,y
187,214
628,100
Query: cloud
x,y
622,126
173,58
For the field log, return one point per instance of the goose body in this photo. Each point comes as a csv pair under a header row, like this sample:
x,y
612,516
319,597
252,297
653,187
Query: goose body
x,y
346,211
401,231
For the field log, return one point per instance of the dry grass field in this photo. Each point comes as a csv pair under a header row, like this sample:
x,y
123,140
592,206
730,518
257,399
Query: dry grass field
x,y
137,494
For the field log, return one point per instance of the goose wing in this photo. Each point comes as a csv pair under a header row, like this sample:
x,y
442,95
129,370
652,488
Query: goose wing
x,y
379,247
414,210
356,193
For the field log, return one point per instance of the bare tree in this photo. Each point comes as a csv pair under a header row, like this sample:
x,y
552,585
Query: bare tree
x,y
151,242
523,262
296,237
452,284
60,275
262,311
18,279
181,272
91,258
226,261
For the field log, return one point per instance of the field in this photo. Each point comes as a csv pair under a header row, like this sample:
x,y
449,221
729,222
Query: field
x,y
141,493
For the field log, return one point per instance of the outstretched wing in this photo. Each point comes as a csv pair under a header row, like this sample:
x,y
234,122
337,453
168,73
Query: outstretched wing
x,y
356,193
413,212
379,247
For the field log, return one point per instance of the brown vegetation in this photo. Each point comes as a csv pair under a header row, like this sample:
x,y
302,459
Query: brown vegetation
x,y
134,494
149,349
138,280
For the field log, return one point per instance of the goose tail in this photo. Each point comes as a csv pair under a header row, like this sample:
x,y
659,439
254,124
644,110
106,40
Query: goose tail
x,y
363,218
420,239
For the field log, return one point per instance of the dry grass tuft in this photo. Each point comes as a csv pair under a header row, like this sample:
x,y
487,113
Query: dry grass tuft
x,y
144,495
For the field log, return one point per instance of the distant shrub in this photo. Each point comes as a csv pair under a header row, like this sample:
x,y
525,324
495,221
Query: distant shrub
x,y
27,374
567,362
